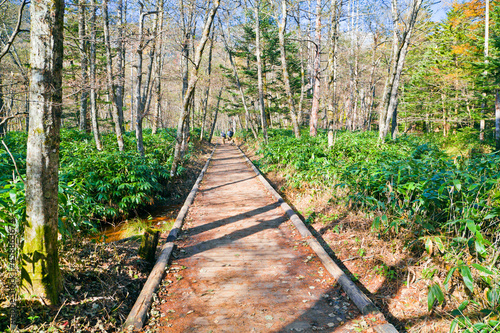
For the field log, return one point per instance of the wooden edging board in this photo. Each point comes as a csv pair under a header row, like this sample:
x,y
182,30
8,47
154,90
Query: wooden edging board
x,y
137,316
362,302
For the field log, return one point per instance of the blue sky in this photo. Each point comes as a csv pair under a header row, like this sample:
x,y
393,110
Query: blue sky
x,y
439,9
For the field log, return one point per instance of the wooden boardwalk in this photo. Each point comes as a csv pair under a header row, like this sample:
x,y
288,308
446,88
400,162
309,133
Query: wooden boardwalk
x,y
241,266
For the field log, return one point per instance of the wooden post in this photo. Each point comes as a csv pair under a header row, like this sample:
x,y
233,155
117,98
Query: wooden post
x,y
147,250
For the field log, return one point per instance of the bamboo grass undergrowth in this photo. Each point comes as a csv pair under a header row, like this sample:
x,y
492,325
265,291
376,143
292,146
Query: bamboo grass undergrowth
x,y
449,205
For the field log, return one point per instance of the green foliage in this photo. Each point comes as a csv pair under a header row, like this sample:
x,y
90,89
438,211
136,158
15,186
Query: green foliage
x,y
450,205
93,185
246,63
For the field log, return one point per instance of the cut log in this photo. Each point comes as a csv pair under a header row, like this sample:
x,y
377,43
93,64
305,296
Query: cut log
x,y
147,250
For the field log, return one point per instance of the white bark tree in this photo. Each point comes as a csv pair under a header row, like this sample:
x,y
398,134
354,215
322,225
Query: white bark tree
x,y
399,52
313,120
115,112
41,261
284,68
189,94
260,82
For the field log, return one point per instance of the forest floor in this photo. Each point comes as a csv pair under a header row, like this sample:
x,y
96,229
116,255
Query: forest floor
x,y
392,276
101,280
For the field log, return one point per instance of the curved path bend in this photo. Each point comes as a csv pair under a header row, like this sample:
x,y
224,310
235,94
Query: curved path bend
x,y
241,266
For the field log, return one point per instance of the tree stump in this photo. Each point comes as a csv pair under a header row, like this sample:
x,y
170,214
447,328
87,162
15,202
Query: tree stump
x,y
147,250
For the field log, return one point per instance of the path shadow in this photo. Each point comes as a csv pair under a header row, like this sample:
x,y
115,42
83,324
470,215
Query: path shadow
x,y
232,237
226,184
228,220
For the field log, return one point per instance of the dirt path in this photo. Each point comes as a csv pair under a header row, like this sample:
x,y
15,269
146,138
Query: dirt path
x,y
242,267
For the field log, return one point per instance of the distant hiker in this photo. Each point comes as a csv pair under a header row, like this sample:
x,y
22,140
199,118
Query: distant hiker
x,y
230,135
223,135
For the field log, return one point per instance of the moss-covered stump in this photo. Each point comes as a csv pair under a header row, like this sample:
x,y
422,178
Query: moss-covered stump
x,y
149,242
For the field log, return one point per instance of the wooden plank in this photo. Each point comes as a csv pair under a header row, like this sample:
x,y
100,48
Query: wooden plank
x,y
137,316
362,302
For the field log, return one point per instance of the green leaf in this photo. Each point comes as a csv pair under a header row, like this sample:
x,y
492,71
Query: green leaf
x,y
480,249
493,297
439,293
430,299
490,216
428,245
453,326
439,243
13,196
434,294
457,184
467,277
471,226
3,203
463,305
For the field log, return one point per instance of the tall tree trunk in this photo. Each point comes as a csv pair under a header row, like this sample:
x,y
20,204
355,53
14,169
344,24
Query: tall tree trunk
x,y
497,120
332,65
391,71
144,105
313,120
115,112
93,83
399,61
372,87
187,29
159,65
260,83
192,86
394,126
140,100
185,64
82,123
445,114
286,78
207,89
138,87
132,98
120,64
300,112
482,122
2,109
42,159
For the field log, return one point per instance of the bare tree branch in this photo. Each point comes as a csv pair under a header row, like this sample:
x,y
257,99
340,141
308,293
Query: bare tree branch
x,y
13,161
16,30
6,119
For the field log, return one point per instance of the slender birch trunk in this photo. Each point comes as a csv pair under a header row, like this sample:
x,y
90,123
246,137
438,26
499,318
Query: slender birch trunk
x,y
332,66
497,120
482,122
140,99
138,87
260,83
207,89
159,65
115,112
2,111
82,123
399,61
120,64
192,86
286,78
313,121
93,83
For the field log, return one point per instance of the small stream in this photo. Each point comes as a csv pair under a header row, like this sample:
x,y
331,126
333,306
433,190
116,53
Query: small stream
x,y
162,218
